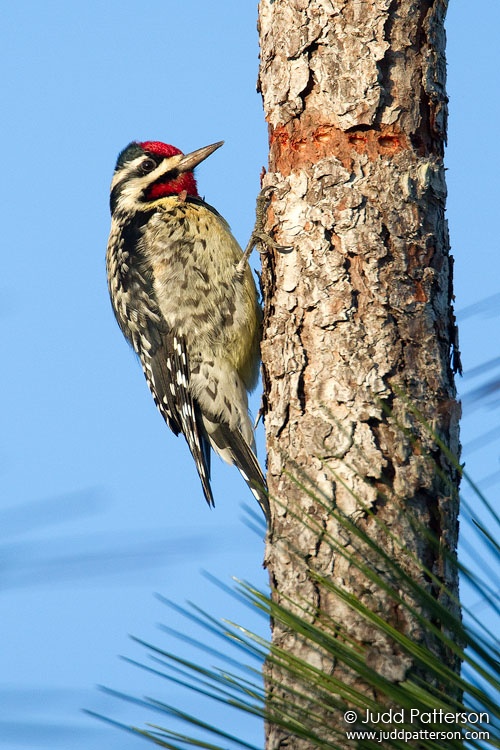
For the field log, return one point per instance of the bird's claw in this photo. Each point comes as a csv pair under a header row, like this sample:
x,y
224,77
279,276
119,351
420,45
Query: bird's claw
x,y
259,236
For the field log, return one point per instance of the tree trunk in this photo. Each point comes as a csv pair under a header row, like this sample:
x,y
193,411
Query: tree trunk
x,y
358,322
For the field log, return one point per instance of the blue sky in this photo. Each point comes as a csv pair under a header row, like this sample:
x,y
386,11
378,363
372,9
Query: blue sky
x,y
100,505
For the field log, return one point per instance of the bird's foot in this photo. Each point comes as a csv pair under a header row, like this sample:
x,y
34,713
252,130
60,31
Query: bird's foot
x,y
259,237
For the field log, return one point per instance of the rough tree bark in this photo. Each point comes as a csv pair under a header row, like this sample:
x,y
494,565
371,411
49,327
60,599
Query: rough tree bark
x,y
360,310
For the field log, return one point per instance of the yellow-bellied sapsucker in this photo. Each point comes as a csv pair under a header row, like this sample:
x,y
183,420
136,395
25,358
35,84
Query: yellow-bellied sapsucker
x,y
187,303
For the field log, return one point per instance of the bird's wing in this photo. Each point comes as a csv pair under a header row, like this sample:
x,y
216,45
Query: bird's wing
x,y
167,373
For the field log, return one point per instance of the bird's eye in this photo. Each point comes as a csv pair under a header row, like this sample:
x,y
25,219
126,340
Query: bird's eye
x,y
148,165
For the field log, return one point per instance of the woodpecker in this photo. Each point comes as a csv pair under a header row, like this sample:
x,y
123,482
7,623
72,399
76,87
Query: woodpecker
x,y
185,299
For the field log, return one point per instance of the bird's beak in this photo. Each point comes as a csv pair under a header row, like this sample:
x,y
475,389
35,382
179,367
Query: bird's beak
x,y
189,161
